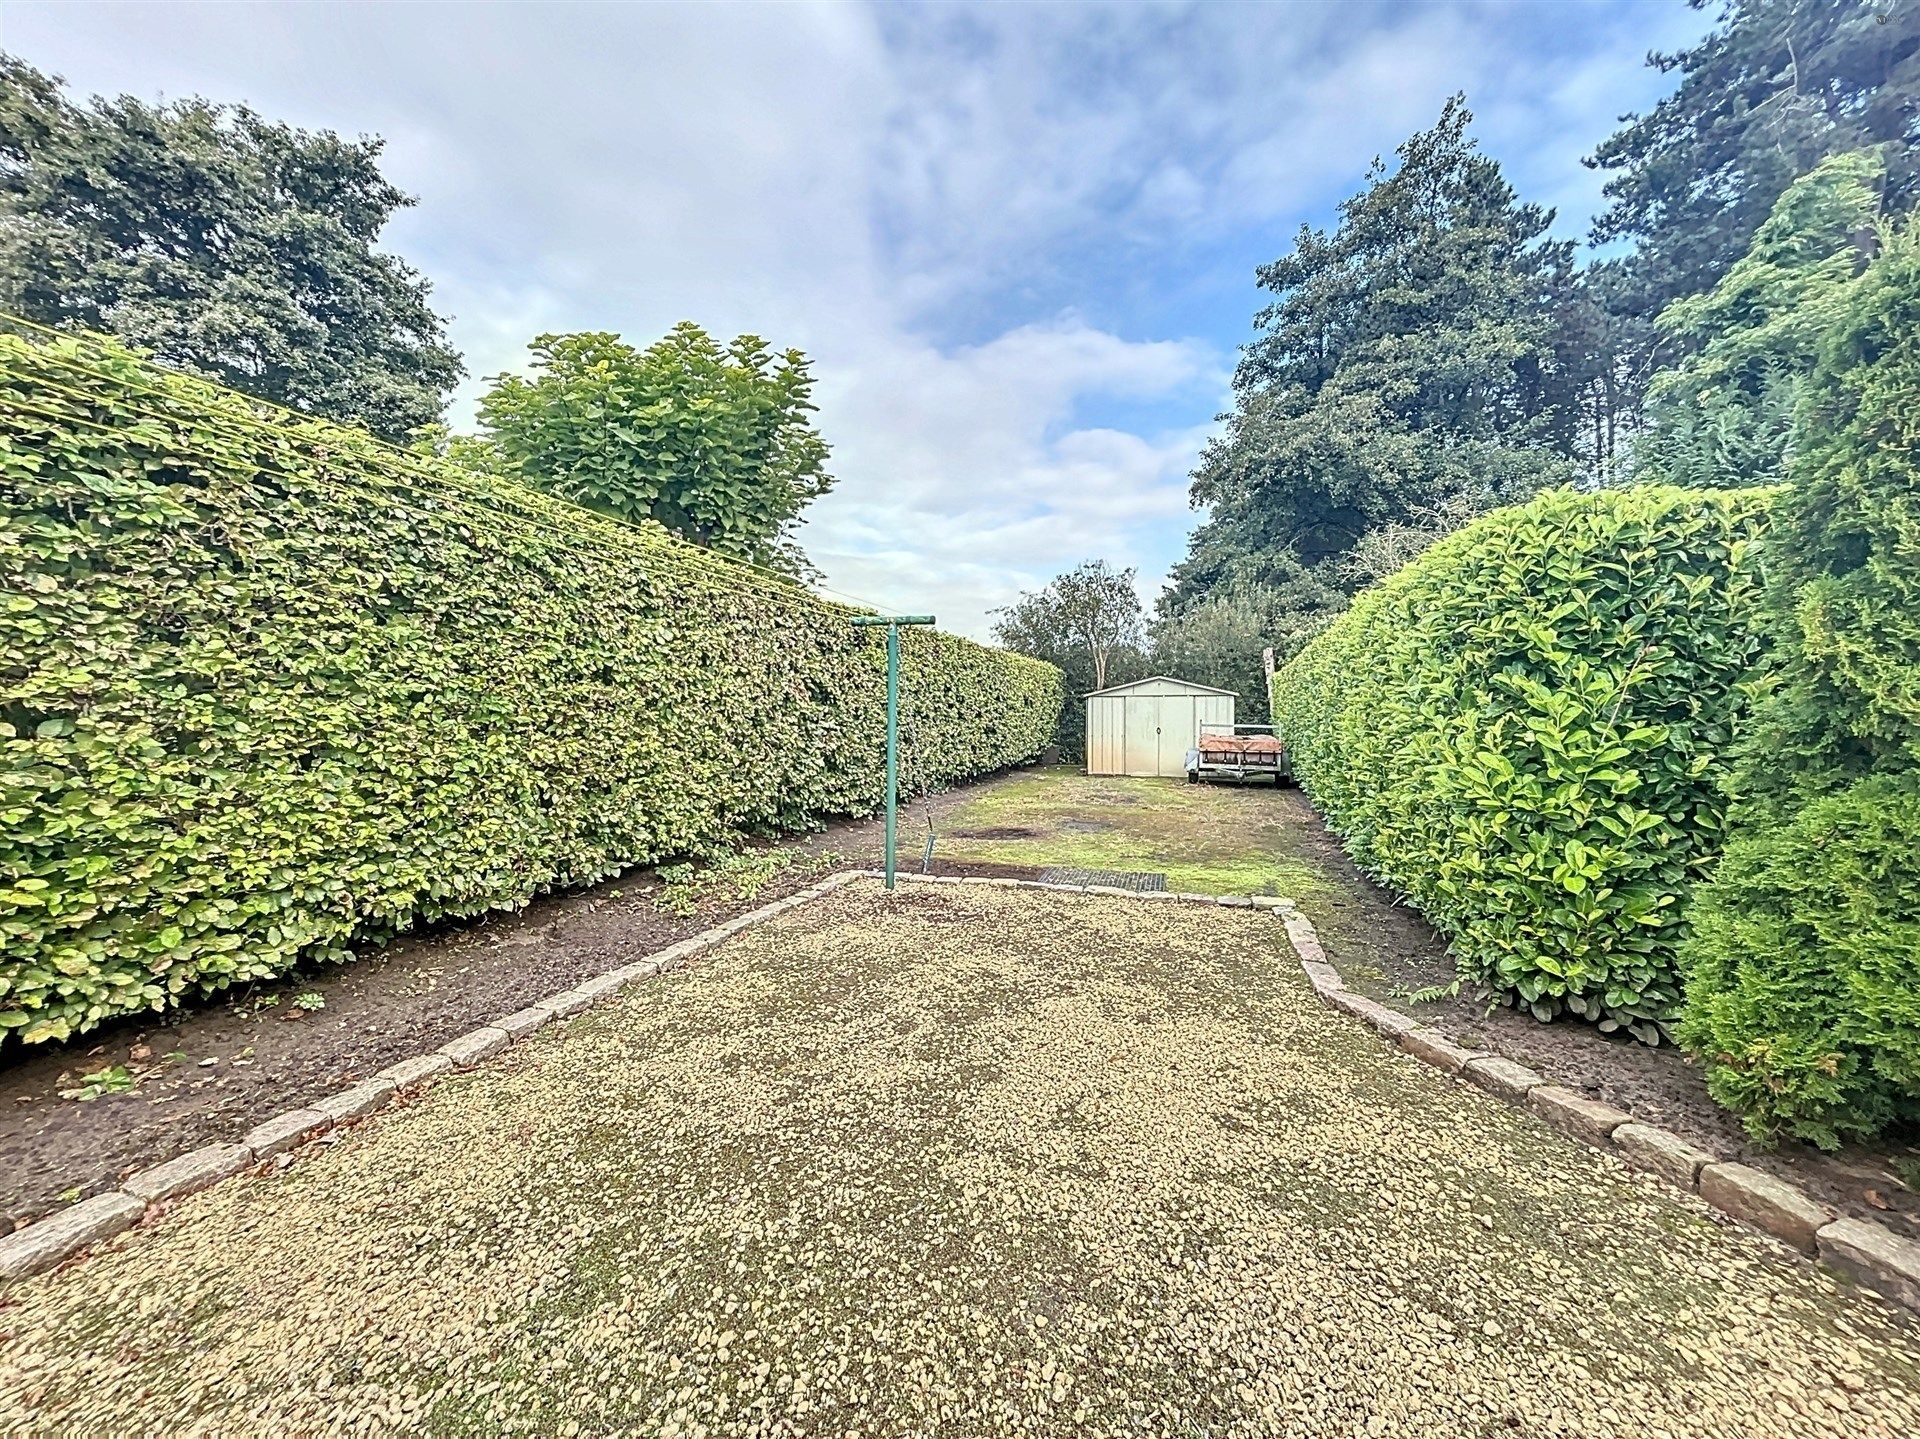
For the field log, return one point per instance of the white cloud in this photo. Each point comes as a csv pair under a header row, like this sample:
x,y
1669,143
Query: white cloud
x,y
931,201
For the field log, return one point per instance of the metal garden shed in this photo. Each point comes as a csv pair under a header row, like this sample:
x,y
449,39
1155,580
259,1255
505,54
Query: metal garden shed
x,y
1147,726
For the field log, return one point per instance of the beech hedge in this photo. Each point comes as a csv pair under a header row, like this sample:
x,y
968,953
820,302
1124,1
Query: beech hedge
x,y
1524,732
272,689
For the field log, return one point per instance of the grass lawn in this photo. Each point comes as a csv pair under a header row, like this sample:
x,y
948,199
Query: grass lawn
x,y
1212,839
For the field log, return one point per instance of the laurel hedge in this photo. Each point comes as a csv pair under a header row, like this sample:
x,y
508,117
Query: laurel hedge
x,y
1524,733
272,689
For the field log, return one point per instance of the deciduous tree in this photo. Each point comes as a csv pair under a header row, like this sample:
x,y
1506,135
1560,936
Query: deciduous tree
x,y
714,443
1087,621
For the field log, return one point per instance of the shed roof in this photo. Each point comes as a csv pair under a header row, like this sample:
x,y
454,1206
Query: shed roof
x,y
1164,680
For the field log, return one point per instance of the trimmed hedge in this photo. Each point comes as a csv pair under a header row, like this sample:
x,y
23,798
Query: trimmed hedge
x,y
1524,732
271,688
1804,966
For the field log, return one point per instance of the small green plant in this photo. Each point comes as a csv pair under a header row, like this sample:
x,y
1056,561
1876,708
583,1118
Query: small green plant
x,y
1434,993
114,1079
733,877
309,1002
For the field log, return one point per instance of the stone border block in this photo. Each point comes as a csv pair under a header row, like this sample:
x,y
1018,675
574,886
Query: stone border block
x,y
612,982
1389,1022
567,1002
418,1070
1571,1112
676,955
1768,1204
476,1044
523,1022
1664,1153
44,1243
1875,1256
1324,977
1305,942
193,1170
357,1101
1501,1077
1432,1047
283,1131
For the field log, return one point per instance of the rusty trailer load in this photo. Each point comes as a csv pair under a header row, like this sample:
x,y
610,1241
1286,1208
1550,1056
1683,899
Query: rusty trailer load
x,y
1239,752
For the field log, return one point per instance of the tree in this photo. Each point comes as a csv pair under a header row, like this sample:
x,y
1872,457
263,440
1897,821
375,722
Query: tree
x,y
1221,638
1724,415
715,444
1087,621
1411,361
224,243
1777,86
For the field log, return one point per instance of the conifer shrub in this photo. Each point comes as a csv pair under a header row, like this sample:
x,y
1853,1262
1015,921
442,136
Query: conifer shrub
x,y
1804,962
1525,730
269,689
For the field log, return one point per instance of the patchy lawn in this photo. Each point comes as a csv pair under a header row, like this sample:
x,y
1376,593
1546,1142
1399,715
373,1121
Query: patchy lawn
x,y
966,1161
1211,839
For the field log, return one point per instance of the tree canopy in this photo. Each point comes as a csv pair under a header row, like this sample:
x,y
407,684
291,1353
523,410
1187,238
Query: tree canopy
x,y
1087,621
1724,416
224,243
1409,363
1773,89
714,443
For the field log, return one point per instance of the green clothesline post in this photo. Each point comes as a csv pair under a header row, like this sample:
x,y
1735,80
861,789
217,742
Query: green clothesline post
x,y
893,623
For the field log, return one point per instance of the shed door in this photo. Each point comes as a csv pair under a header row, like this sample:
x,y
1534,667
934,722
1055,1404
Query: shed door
x,y
1142,719
1176,734
1159,732
1105,754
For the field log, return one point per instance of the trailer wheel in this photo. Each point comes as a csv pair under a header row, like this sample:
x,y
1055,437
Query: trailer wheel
x,y
1193,776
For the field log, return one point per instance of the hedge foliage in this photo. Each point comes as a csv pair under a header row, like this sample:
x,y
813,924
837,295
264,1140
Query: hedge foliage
x,y
1804,966
271,688
1524,733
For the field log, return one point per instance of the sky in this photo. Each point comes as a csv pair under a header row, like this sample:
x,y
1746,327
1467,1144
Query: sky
x,y
1017,241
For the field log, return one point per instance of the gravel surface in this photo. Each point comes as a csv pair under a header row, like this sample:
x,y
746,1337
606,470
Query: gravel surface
x,y
968,1161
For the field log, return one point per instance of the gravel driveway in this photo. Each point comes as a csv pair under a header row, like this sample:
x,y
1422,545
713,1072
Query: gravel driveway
x,y
966,1161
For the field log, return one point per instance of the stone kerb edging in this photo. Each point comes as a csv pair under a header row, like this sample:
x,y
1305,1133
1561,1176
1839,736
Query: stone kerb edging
x,y
66,1232
1871,1254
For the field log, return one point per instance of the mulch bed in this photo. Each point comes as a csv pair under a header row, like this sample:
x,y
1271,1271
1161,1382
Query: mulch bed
x,y
1388,952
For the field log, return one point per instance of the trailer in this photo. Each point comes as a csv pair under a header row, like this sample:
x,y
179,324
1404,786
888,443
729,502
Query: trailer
x,y
1239,752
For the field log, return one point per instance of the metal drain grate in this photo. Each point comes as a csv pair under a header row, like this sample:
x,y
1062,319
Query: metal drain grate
x,y
1111,878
